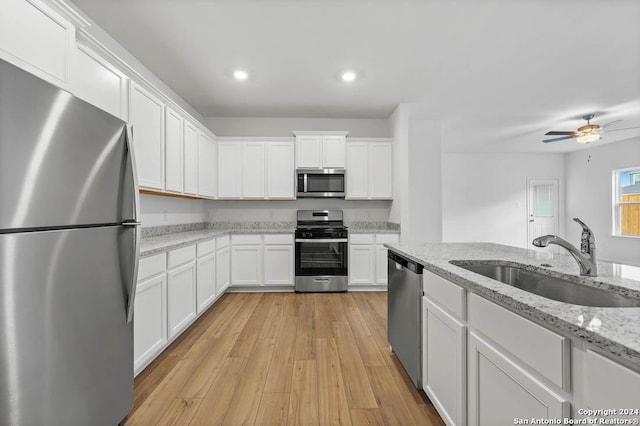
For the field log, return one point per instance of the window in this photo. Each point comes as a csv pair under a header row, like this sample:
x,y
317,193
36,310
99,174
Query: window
x,y
626,202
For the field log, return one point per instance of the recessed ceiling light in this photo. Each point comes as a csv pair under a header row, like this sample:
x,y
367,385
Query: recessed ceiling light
x,y
240,75
348,76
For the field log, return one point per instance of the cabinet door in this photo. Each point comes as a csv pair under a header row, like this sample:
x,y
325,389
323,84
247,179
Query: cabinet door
x,y
246,265
278,265
500,390
333,151
181,301
35,38
173,150
206,283
253,170
608,384
309,152
207,163
381,256
380,171
98,82
357,170
229,169
280,170
223,267
444,363
146,114
361,264
150,322
190,159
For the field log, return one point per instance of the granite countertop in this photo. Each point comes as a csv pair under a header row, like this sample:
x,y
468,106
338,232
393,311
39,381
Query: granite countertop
x,y
153,244
614,330
373,227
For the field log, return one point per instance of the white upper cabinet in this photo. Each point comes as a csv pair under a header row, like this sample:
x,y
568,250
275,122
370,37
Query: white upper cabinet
x,y
174,151
98,82
280,170
207,163
35,38
229,169
146,114
190,158
369,170
253,170
316,150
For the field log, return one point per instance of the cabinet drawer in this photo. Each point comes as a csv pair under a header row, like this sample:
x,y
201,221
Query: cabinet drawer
x,y
152,265
222,242
450,296
246,239
361,238
180,256
387,238
541,349
206,247
274,239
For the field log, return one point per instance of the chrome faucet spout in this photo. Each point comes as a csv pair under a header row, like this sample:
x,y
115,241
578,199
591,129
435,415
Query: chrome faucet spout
x,y
585,256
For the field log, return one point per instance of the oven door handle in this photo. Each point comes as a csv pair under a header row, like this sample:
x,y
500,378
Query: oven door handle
x,y
321,240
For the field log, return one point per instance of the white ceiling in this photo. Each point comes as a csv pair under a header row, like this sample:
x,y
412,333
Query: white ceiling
x,y
498,73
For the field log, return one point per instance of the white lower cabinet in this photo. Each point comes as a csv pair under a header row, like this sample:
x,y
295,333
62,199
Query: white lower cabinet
x,y
262,260
368,258
246,260
444,362
500,390
150,320
206,288
278,259
608,385
181,290
223,270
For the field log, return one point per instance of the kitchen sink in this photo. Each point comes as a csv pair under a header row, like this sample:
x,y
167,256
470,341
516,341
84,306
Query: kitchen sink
x,y
549,286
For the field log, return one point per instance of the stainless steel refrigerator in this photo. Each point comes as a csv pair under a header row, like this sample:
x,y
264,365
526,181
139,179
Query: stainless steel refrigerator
x,y
69,238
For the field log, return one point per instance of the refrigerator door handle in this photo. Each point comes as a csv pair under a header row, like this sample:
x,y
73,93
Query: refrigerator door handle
x,y
134,222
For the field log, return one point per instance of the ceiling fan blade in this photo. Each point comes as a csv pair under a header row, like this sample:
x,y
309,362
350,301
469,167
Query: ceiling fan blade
x,y
626,128
558,139
558,133
610,123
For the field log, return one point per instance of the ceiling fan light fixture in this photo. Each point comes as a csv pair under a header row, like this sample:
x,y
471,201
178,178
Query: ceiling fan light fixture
x,y
589,137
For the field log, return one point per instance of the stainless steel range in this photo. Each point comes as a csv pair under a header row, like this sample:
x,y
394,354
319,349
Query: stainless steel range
x,y
321,251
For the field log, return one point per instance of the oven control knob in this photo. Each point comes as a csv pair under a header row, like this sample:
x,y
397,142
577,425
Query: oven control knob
x,y
306,235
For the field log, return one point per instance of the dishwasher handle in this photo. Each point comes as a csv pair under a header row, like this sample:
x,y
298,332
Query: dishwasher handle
x,y
404,263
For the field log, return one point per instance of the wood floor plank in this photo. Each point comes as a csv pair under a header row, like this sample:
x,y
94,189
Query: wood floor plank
x,y
180,412
247,338
393,408
366,417
150,378
282,364
305,334
215,404
274,317
332,399
243,407
369,353
273,410
358,388
303,400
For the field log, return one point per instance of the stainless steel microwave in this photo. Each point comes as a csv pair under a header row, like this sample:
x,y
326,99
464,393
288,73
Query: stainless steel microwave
x,y
320,183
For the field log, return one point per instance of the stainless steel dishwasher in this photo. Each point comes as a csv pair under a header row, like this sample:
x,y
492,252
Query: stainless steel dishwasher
x,y
404,322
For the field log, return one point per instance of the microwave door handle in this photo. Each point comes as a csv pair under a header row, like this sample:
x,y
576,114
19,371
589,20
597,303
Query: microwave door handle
x,y
305,183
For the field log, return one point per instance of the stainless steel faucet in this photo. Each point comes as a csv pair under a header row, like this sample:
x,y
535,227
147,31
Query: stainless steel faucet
x,y
586,256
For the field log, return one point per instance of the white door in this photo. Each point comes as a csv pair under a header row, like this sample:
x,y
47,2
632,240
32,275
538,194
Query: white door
x,y
333,151
357,170
380,170
190,159
278,265
207,165
361,264
280,170
173,150
229,169
146,115
253,170
309,152
246,265
222,270
206,283
150,325
181,300
543,208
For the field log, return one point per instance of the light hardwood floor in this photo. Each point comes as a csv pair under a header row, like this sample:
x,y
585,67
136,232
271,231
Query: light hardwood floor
x,y
282,359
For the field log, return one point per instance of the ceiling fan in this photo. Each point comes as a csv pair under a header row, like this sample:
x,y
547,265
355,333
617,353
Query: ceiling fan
x,y
584,134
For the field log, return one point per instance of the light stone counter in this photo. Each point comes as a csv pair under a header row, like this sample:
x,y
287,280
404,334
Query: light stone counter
x,y
155,244
373,227
614,330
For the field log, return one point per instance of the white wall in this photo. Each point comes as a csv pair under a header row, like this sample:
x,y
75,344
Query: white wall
x,y
484,196
157,210
277,211
279,127
589,197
